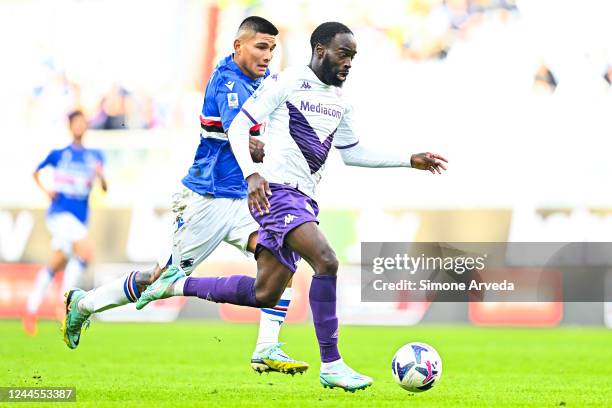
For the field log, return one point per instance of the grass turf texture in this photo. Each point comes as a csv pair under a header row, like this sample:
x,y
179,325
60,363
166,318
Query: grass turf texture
x,y
207,364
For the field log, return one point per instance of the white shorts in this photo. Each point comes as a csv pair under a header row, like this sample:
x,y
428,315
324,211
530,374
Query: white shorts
x,y
65,229
203,222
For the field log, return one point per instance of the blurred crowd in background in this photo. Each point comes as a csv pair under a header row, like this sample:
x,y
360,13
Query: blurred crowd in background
x,y
469,78
115,109
412,30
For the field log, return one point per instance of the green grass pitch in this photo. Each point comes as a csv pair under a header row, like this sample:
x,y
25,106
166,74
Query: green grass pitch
x,y
206,364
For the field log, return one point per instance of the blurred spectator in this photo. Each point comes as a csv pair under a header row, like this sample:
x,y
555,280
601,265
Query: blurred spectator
x,y
544,80
433,26
113,109
608,75
53,97
144,114
459,13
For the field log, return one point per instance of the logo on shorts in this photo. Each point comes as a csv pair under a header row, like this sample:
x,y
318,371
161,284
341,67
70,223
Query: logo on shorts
x,y
289,219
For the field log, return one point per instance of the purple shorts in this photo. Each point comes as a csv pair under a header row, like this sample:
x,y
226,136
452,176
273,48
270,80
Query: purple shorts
x,y
289,208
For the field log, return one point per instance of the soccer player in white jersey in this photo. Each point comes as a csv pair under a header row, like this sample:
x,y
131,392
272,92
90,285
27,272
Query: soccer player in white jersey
x,y
306,115
211,206
75,170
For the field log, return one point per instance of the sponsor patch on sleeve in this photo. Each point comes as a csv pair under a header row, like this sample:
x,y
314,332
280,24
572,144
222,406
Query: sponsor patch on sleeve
x,y
232,100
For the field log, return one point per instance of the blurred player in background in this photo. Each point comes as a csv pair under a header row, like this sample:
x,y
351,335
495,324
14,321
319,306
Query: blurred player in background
x,y
75,170
211,206
307,114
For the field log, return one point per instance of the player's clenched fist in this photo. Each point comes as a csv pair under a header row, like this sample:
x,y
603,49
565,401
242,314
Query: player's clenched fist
x,y
258,191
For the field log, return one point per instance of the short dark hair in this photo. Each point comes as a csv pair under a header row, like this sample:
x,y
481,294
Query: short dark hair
x,y
74,114
324,33
259,25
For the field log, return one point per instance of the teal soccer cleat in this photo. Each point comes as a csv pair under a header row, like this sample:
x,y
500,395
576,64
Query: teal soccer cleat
x,y
159,289
344,377
74,320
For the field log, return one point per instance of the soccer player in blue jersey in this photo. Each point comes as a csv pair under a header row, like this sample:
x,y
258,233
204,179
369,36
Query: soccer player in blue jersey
x,y
75,170
307,114
211,207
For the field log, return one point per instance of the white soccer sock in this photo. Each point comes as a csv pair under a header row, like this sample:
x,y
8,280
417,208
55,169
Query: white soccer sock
x,y
331,366
72,273
43,279
177,287
271,319
110,295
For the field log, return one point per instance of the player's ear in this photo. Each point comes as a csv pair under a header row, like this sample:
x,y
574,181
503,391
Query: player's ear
x,y
319,50
237,45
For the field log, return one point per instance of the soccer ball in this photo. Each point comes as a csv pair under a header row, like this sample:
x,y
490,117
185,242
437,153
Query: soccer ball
x,y
416,367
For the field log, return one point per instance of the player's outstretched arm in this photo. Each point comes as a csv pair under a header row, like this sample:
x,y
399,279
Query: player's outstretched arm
x,y
358,155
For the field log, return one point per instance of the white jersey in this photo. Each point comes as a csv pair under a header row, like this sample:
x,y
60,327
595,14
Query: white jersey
x,y
305,117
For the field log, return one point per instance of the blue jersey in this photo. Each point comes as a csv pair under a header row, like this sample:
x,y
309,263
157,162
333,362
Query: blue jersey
x,y
74,173
214,170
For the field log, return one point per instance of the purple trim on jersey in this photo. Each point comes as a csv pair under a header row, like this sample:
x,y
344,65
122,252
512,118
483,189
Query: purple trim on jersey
x,y
347,146
307,140
249,116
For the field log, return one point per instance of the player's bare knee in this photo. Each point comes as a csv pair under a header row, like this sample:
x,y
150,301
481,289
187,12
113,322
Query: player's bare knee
x,y
267,298
327,263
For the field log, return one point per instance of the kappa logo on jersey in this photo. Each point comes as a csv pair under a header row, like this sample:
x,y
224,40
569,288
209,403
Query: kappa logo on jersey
x,y
305,85
289,219
230,85
232,100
